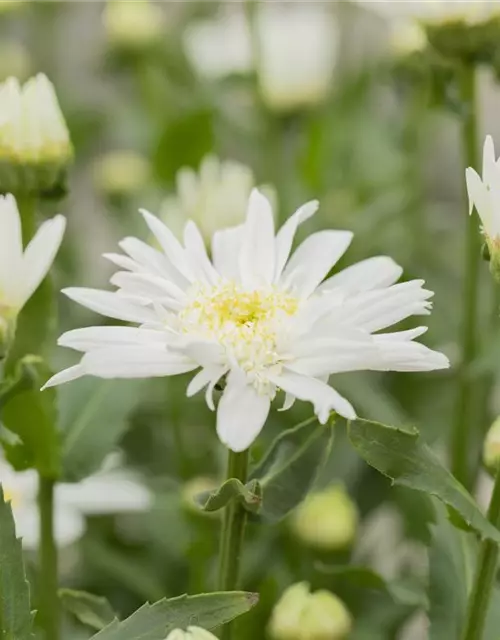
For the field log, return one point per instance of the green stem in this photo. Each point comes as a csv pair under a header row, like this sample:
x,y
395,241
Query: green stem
x,y
460,444
233,528
485,574
49,605
27,209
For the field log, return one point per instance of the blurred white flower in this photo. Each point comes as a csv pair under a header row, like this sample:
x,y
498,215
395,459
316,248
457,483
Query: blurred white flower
x,y
133,24
297,49
297,54
220,47
214,198
302,615
21,271
407,36
118,173
484,193
192,633
32,127
106,492
254,316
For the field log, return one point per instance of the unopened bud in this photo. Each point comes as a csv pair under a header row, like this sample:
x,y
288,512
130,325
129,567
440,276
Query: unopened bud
x,y
133,25
121,173
326,520
302,615
192,633
491,448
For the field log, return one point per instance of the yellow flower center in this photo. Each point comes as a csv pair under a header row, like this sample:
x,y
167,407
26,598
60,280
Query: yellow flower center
x,y
247,323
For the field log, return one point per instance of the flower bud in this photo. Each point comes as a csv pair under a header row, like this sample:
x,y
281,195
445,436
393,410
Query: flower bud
x,y
491,448
407,37
194,488
133,25
302,615
192,633
121,173
326,520
35,147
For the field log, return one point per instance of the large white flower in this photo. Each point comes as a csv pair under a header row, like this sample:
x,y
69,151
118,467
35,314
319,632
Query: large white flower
x,y
22,271
484,194
263,319
107,492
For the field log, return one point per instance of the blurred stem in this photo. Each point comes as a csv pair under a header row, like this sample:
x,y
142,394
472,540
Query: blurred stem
x,y
485,573
233,528
27,209
460,444
49,604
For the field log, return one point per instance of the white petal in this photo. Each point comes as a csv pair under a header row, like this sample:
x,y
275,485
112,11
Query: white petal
x,y
135,362
11,247
208,375
241,413
40,254
124,262
479,197
147,285
226,249
489,162
257,257
108,303
206,354
374,273
324,398
407,356
91,338
195,248
313,259
69,525
152,261
66,375
286,235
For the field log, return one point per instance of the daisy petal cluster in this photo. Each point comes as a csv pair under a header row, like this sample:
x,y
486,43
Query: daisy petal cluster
x,y
22,270
256,316
484,195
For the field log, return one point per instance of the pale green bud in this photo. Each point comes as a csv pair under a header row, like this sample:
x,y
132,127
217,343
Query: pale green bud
x,y
133,25
192,633
326,520
491,448
493,246
121,173
302,615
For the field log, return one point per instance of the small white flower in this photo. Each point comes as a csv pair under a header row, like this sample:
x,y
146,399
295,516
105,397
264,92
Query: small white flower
x,y
191,633
262,319
484,193
133,24
214,198
21,272
32,128
106,492
119,173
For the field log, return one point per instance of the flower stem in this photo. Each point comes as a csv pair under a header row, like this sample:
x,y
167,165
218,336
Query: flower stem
x,y
49,604
485,573
460,443
233,527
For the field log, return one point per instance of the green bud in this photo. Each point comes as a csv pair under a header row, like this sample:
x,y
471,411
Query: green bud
x,y
121,173
133,25
326,520
491,448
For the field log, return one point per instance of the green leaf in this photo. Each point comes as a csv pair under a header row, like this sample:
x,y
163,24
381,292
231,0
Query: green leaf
x,y
93,418
401,591
16,619
91,610
31,415
154,622
249,495
287,472
400,455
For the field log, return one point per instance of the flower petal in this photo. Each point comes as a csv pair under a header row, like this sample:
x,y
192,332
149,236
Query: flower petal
x,y
90,338
66,375
195,248
226,249
108,303
286,235
374,273
257,258
479,197
241,413
11,247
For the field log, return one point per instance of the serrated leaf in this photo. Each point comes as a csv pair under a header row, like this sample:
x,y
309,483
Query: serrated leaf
x,y
16,619
287,472
154,622
91,610
400,455
93,417
31,415
250,496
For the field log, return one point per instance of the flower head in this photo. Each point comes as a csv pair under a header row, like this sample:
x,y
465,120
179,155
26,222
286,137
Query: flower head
x,y
253,315
35,146
214,198
191,633
21,271
108,491
133,25
120,173
302,615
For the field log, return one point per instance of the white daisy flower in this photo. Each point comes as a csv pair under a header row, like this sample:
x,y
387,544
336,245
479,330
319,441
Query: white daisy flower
x,y
484,194
21,271
106,492
253,315
133,24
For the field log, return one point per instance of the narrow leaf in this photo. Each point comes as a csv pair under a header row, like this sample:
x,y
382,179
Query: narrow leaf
x,y
400,455
154,622
288,471
249,495
16,619
91,610
93,417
